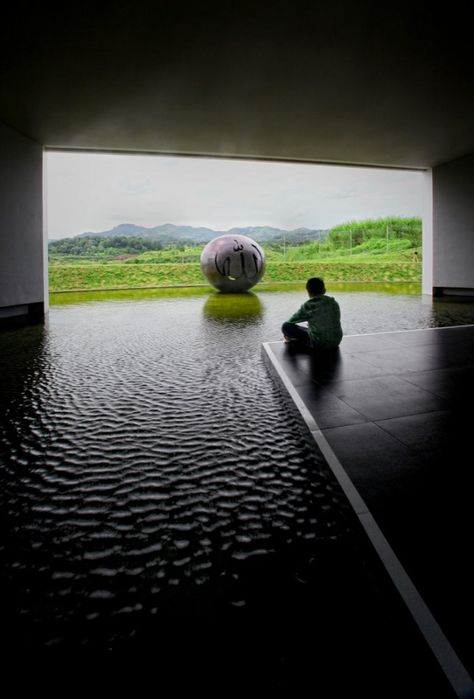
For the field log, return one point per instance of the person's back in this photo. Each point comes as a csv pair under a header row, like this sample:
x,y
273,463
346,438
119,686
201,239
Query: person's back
x,y
323,316
324,320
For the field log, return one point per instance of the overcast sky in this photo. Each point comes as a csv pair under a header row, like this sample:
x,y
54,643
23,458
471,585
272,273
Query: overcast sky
x,y
95,192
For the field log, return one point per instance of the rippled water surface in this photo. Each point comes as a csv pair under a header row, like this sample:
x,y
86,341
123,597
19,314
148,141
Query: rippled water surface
x,y
151,472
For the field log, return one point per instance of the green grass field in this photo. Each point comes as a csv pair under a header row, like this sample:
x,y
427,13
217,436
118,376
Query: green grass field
x,y
67,277
365,251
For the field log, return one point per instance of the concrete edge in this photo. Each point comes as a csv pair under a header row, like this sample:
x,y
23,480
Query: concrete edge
x,y
412,330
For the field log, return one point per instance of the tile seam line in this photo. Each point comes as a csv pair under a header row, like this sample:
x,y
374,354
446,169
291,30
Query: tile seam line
x,y
410,330
379,423
367,418
448,660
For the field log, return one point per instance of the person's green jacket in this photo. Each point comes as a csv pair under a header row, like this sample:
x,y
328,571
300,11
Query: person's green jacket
x,y
324,320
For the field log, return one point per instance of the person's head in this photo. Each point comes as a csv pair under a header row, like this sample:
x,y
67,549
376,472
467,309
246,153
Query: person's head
x,y
315,287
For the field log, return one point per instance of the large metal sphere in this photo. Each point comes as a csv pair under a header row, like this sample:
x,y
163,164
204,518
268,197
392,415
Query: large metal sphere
x,y
233,263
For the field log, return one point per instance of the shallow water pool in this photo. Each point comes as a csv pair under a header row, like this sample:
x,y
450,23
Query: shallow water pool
x,y
151,472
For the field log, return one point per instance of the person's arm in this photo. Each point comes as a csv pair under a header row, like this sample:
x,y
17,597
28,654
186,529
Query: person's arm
x,y
299,316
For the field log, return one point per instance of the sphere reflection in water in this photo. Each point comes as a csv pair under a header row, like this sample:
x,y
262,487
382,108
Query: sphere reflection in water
x,y
233,263
233,307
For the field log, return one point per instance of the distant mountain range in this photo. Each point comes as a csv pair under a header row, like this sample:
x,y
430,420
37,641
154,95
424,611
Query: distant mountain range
x,y
168,232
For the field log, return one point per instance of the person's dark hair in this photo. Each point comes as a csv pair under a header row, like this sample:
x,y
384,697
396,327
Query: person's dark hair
x,y
315,286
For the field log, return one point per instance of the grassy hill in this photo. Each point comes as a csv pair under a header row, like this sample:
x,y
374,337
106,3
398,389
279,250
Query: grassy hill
x,y
373,250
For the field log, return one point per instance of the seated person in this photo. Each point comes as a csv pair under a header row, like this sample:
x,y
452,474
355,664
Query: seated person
x,y
324,319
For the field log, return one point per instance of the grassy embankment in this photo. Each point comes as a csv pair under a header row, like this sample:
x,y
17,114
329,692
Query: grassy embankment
x,y
365,251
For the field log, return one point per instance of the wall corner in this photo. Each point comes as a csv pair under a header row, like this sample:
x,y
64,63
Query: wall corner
x,y
427,233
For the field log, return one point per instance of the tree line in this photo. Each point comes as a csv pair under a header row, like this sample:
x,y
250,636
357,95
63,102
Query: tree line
x,y
373,236
97,246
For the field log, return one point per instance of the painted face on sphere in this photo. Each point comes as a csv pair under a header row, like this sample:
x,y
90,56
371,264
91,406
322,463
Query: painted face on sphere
x,y
233,263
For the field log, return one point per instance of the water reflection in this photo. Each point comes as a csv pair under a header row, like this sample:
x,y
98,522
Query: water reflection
x,y
451,311
390,288
73,297
134,482
135,488
229,307
21,359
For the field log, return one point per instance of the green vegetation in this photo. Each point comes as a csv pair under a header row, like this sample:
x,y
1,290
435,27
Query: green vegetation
x,y
382,237
381,229
363,251
117,275
172,254
92,247
357,269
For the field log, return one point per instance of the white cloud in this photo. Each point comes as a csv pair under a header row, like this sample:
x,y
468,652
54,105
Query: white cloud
x,y
94,192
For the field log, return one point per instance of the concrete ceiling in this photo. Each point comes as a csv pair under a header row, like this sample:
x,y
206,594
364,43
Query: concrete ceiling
x,y
362,83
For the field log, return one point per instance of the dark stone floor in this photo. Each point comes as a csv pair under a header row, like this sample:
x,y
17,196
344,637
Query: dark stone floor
x,y
396,409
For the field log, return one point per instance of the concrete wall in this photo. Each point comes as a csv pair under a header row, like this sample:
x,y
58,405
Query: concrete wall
x,y
453,226
22,271
427,277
